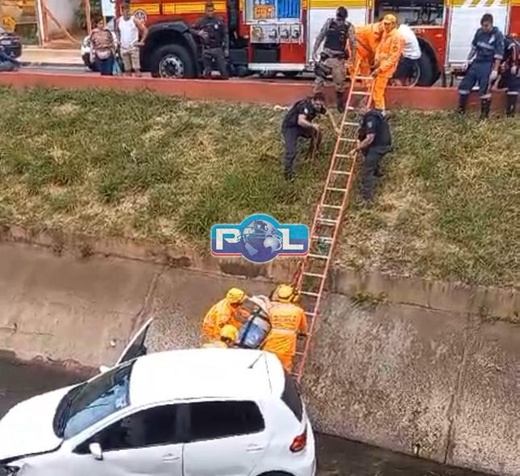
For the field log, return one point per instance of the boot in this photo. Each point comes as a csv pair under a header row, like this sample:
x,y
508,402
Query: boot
x,y
288,175
463,102
511,104
340,102
485,107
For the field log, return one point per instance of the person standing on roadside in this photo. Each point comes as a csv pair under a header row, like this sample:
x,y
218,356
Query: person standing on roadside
x,y
336,32
408,65
128,28
482,65
102,48
214,35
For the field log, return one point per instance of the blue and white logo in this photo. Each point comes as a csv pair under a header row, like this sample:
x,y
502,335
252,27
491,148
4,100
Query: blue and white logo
x,y
259,239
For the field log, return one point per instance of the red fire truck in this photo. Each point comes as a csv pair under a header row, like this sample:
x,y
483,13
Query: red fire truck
x,y
277,36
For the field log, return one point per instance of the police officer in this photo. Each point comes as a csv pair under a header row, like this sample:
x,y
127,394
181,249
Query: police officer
x,y
374,142
487,52
335,32
298,123
510,70
215,41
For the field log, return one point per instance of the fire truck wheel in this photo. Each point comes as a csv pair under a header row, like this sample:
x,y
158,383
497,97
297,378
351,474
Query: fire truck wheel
x,y
426,74
172,61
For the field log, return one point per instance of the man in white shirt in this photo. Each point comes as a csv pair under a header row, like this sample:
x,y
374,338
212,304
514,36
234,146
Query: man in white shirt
x,y
411,55
128,28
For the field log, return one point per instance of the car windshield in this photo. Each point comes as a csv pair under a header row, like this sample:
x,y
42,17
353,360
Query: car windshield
x,y
93,401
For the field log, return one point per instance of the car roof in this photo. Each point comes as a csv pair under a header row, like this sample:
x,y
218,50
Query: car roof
x,y
205,374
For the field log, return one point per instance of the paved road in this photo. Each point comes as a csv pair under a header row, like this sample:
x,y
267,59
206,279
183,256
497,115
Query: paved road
x,y
337,457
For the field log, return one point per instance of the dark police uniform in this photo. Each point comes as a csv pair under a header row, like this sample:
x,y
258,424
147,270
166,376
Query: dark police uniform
x,y
215,46
334,55
511,74
488,47
373,122
292,131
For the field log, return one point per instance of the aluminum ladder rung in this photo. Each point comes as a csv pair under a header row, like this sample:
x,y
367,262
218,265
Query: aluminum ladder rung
x,y
364,78
347,139
322,238
311,255
344,156
310,314
361,93
314,275
353,124
334,207
341,172
328,221
308,293
334,189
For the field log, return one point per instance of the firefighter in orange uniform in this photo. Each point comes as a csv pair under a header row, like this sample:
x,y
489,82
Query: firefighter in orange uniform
x,y
367,38
287,321
388,54
227,311
228,337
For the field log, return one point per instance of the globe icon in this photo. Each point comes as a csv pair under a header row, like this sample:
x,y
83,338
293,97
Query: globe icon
x,y
261,241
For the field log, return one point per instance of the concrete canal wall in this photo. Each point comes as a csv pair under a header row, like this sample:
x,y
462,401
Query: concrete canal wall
x,y
409,365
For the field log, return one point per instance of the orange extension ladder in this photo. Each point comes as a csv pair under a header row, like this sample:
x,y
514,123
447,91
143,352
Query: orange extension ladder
x,y
312,275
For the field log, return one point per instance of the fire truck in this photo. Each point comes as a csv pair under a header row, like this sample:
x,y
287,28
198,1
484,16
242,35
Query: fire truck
x,y
277,36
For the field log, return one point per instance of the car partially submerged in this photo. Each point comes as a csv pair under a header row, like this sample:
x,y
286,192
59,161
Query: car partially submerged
x,y
197,412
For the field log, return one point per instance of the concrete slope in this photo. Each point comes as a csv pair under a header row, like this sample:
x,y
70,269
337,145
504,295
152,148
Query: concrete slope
x,y
438,382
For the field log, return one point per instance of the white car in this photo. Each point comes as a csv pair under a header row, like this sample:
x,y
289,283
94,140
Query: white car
x,y
198,412
85,46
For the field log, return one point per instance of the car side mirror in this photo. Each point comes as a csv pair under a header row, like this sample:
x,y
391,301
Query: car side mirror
x,y
96,451
104,369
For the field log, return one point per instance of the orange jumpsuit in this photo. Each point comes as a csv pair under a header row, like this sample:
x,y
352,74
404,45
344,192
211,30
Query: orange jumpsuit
x,y
367,39
287,321
218,316
388,54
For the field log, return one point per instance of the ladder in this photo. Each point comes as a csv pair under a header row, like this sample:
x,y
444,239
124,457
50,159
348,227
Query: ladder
x,y
312,275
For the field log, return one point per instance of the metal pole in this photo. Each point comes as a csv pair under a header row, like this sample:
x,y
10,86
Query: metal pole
x,y
41,26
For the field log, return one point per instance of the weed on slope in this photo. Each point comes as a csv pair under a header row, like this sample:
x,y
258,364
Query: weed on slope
x,y
143,166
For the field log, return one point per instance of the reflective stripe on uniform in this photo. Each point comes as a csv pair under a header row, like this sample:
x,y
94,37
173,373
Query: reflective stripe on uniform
x,y
284,331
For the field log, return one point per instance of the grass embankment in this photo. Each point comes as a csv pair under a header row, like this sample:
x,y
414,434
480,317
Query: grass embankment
x,y
165,169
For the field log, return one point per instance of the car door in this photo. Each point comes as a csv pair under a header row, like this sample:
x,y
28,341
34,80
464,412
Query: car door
x,y
224,438
135,348
145,442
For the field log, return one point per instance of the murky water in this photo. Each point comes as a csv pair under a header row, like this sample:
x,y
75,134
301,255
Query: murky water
x,y
336,457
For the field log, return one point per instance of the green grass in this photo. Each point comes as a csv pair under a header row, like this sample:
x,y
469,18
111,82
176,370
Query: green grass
x,y
163,169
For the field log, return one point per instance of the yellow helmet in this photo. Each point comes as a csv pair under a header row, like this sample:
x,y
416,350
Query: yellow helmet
x,y
392,19
286,293
235,296
229,332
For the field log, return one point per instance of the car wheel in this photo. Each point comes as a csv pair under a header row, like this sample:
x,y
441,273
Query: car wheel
x,y
172,61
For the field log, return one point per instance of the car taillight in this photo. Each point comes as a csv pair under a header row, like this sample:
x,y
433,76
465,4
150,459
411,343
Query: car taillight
x,y
300,442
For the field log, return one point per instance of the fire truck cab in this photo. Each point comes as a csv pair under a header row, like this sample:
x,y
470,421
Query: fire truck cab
x,y
277,36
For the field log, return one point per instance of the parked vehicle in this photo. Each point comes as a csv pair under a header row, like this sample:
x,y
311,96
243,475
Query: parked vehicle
x,y
85,46
10,43
199,412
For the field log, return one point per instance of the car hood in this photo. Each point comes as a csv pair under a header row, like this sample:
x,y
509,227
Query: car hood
x,y
27,427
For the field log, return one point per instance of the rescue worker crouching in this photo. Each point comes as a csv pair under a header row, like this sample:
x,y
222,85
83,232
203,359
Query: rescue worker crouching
x,y
228,338
227,311
375,141
387,57
510,74
335,32
298,123
287,321
482,66
214,34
